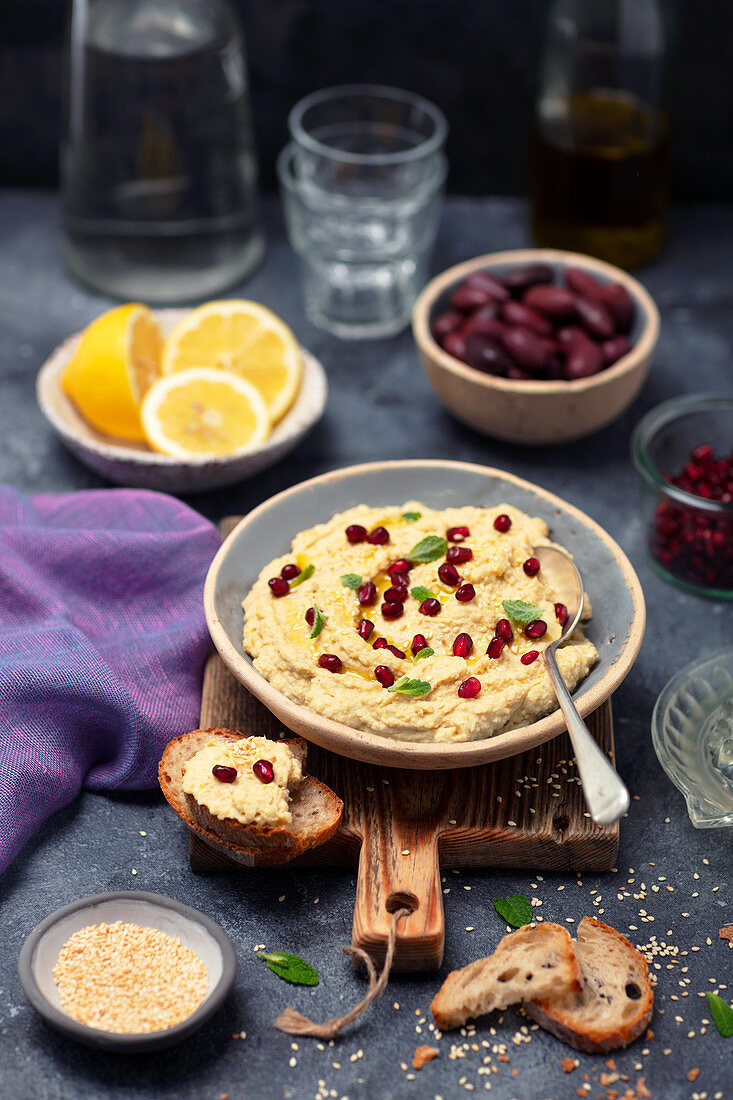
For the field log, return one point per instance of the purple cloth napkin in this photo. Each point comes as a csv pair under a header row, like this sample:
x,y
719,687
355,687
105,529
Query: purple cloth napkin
x,y
102,644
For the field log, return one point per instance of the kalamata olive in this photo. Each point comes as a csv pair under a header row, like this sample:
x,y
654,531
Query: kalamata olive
x,y
445,323
569,333
613,349
583,283
618,300
551,345
466,297
553,369
525,347
488,283
584,358
553,301
518,314
595,318
455,345
522,278
486,312
485,354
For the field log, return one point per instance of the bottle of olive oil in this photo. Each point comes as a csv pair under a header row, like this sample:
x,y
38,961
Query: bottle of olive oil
x,y
599,166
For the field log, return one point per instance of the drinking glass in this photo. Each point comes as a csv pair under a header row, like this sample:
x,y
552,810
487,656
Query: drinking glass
x,y
159,175
362,180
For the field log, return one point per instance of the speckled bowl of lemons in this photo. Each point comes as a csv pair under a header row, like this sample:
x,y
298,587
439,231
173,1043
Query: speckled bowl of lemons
x,y
182,401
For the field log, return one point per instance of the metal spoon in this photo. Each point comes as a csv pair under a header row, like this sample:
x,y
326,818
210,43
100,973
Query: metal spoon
x,y
604,790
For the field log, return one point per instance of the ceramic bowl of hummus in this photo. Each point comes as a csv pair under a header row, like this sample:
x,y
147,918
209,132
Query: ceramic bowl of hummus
x,y
391,612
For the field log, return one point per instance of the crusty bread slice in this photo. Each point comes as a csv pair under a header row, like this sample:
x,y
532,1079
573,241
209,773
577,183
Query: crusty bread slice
x,y
316,810
536,960
615,1004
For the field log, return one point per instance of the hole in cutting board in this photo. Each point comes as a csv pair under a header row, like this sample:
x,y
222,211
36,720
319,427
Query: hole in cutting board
x,y
561,822
401,900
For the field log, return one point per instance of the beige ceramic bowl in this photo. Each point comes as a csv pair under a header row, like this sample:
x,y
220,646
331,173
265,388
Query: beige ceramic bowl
x,y
136,466
535,411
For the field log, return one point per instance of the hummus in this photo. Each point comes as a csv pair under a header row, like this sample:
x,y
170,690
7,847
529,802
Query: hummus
x,y
247,800
511,693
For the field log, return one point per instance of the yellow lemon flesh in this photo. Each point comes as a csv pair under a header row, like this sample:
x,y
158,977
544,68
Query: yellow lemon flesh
x,y
203,412
245,339
115,362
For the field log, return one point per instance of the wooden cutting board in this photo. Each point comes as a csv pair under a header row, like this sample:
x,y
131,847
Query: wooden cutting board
x,y
400,828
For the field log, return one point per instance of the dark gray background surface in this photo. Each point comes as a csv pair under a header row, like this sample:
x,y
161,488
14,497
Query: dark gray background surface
x,y
475,58
381,407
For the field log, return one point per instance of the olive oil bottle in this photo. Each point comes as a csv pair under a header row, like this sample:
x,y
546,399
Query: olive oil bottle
x,y
600,147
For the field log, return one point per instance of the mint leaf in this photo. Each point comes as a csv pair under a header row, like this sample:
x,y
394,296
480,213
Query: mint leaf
x,y
428,549
303,575
351,580
291,968
521,611
722,1013
318,622
515,910
421,593
406,686
411,517
426,651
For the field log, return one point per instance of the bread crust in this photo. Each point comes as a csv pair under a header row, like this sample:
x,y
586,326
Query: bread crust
x,y
250,844
561,1018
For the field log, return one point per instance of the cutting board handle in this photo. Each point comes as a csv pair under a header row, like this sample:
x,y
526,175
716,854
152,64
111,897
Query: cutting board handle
x,y
398,868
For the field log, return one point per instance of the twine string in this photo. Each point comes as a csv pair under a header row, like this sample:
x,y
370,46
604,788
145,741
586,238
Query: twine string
x,y
294,1023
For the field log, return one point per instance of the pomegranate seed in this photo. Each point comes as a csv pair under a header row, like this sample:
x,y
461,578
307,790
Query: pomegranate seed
x,y
502,523
400,580
364,629
330,662
430,607
396,594
418,642
561,613
465,593
536,628
391,610
379,536
449,574
356,533
310,616
224,773
402,565
530,656
381,643
463,645
496,647
531,567
289,571
367,593
264,771
470,688
384,675
458,554
279,586
503,630
396,652
457,534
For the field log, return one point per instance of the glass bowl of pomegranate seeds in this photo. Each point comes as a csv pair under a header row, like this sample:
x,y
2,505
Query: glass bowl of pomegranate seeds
x,y
683,449
536,346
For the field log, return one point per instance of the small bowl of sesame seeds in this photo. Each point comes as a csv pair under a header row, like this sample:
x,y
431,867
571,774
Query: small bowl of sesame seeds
x,y
129,971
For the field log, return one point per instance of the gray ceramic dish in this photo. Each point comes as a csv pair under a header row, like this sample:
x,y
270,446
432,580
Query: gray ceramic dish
x,y
40,952
616,629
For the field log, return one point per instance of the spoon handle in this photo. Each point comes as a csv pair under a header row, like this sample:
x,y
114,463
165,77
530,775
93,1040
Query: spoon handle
x,y
604,790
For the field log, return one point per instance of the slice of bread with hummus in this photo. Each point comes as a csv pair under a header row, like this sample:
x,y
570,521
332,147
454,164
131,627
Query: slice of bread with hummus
x,y
248,796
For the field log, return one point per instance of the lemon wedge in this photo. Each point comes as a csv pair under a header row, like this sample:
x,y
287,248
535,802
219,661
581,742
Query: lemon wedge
x,y
245,339
203,412
114,364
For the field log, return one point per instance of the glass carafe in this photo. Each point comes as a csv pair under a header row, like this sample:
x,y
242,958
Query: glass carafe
x,y
599,177
159,173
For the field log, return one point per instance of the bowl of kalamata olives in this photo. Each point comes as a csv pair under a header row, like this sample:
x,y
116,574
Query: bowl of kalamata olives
x,y
683,450
536,346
